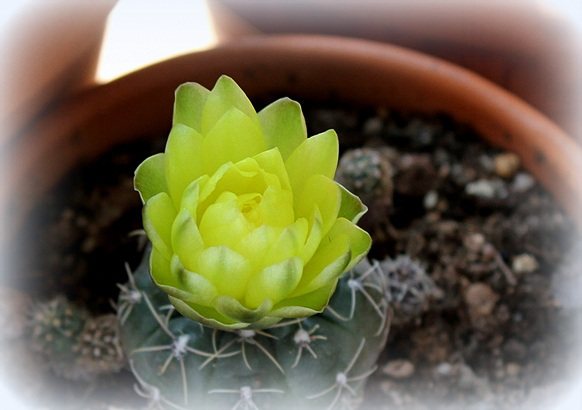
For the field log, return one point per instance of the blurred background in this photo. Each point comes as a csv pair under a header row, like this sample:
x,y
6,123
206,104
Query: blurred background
x,y
51,50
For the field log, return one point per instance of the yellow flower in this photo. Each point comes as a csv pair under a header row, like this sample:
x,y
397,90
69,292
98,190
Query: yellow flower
x,y
247,224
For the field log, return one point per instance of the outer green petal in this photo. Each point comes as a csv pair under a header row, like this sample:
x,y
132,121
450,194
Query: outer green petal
x,y
160,269
316,155
232,308
360,241
188,105
325,193
274,282
233,138
304,305
352,208
228,270
283,125
182,160
193,287
158,215
187,242
206,315
150,178
225,95
328,263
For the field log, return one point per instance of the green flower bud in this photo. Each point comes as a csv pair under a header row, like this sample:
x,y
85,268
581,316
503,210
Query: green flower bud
x,y
247,224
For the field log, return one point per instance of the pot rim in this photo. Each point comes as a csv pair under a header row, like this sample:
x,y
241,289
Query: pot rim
x,y
321,66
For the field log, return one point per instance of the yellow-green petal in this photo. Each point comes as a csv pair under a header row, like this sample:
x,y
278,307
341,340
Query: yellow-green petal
x,y
225,95
228,270
187,242
359,240
315,234
191,196
289,243
316,155
232,308
189,100
159,213
233,138
329,262
325,193
274,282
276,208
304,305
283,125
150,178
206,315
272,162
255,245
352,208
182,160
243,177
208,191
223,223
160,269
193,287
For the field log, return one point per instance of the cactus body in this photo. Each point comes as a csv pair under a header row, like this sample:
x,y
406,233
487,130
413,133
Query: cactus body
x,y
315,363
75,345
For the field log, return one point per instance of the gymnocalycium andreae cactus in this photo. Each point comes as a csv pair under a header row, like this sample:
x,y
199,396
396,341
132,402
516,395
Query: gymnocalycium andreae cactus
x,y
240,300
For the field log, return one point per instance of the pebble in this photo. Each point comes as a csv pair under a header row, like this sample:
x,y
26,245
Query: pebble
x,y
524,263
482,188
431,199
444,369
506,164
372,126
523,182
474,242
398,369
480,298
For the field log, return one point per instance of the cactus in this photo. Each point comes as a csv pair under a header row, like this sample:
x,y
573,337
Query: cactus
x,y
75,345
315,363
409,289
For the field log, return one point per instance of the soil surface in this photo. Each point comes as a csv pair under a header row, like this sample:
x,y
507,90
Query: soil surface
x,y
495,332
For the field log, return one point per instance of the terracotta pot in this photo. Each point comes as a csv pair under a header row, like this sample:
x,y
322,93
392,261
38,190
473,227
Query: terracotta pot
x,y
305,67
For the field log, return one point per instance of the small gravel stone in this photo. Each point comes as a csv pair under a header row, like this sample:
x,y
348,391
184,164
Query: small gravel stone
x,y
482,188
444,369
398,369
431,199
480,299
524,263
507,164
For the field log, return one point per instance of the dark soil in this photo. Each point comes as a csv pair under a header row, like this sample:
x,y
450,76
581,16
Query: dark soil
x,y
497,334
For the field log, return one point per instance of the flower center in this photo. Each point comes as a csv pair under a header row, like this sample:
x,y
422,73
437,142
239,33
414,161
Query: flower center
x,y
249,207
